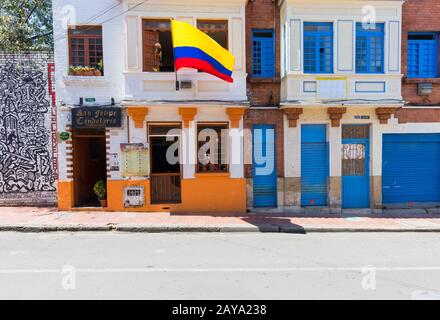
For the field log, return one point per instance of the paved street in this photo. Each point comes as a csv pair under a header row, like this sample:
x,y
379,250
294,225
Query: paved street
x,y
219,266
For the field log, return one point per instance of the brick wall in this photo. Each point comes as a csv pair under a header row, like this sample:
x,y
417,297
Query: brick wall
x,y
418,16
28,146
263,14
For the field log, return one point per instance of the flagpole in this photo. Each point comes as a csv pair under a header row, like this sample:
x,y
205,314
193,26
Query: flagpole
x,y
174,57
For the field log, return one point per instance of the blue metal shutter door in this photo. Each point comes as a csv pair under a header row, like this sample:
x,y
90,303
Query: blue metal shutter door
x,y
264,166
314,165
411,169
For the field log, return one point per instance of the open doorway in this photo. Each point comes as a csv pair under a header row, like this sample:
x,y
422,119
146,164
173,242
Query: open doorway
x,y
165,164
89,165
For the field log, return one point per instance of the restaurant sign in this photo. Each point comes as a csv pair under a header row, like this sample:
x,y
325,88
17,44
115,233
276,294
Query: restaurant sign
x,y
96,117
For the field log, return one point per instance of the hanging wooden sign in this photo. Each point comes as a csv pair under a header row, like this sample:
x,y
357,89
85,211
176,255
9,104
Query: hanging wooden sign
x,y
96,117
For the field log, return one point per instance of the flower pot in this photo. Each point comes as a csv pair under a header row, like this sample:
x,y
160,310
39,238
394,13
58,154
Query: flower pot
x,y
97,73
103,203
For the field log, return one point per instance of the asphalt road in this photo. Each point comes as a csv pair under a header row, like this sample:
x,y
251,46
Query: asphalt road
x,y
219,266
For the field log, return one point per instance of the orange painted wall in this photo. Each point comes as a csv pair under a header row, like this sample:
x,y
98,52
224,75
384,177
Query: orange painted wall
x,y
204,194
65,195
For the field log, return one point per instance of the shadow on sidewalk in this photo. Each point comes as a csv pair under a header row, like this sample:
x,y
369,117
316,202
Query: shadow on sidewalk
x,y
274,224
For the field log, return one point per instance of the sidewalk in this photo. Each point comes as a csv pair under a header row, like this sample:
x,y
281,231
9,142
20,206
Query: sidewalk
x,y
25,219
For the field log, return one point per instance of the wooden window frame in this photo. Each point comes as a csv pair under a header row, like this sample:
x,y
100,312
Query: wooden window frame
x,y
144,28
198,144
86,38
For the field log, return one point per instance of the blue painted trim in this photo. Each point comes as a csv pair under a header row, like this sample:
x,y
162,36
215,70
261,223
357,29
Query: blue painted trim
x,y
265,186
304,86
411,137
399,62
356,189
265,40
435,41
317,35
353,52
368,35
373,82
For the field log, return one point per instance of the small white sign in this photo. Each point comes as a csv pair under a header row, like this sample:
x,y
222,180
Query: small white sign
x,y
113,161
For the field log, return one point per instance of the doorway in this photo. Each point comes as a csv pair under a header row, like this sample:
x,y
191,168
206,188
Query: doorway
x,y
314,165
264,171
89,165
165,176
355,166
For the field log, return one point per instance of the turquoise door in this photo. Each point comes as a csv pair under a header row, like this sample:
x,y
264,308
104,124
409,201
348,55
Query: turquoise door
x,y
264,166
355,167
314,165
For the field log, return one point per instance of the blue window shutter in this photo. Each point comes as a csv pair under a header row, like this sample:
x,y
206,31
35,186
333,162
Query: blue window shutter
x,y
422,55
318,47
263,54
370,48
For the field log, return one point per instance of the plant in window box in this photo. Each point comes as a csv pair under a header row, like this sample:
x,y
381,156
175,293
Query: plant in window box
x,y
100,68
83,71
88,71
74,70
100,192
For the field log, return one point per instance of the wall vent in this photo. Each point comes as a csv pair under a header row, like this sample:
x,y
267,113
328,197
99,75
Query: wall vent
x,y
185,84
424,89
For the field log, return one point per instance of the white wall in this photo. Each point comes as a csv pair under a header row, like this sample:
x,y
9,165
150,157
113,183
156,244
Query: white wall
x,y
343,15
122,43
70,89
161,85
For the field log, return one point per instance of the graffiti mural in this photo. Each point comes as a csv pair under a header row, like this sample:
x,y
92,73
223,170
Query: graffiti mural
x,y
25,158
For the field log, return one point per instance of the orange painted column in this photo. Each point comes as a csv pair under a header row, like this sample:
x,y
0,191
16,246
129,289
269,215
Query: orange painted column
x,y
65,195
137,114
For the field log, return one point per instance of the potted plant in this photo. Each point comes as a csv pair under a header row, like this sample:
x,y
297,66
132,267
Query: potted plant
x,y
100,191
74,71
88,71
84,71
100,67
97,73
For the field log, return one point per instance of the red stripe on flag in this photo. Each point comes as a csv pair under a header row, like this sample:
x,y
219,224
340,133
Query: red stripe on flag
x,y
202,66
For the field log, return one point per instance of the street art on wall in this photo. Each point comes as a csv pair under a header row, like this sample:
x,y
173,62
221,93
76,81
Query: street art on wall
x,y
25,160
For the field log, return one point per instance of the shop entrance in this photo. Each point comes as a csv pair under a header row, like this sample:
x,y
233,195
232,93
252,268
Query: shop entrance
x,y
89,165
165,173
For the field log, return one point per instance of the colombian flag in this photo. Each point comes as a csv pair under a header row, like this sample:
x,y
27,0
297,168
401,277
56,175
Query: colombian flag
x,y
194,49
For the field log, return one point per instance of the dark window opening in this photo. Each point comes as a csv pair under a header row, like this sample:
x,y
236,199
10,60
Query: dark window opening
x,y
424,36
212,148
86,50
159,161
158,55
217,30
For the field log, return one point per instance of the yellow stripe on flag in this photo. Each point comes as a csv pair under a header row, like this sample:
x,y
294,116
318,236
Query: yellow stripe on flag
x,y
185,35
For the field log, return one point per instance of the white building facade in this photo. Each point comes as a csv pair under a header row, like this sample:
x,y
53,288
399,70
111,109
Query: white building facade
x,y
127,46
341,85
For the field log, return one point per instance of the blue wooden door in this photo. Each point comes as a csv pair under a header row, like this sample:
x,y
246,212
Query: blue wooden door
x,y
355,167
264,166
411,170
314,165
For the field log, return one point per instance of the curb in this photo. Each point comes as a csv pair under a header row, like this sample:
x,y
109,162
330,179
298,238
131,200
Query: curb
x,y
269,228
